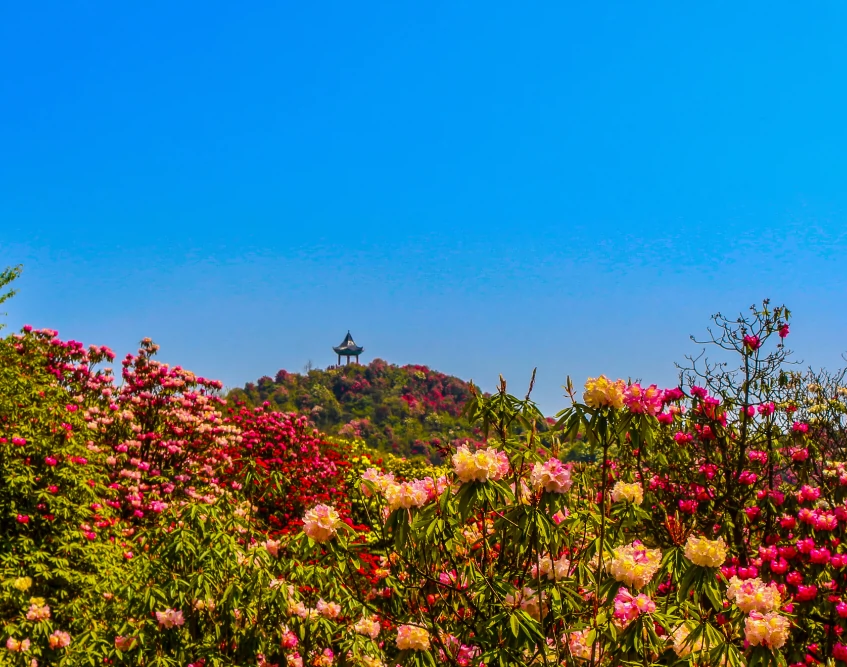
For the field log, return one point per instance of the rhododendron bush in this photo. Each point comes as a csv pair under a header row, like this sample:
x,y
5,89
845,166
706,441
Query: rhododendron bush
x,y
96,476
147,521
709,529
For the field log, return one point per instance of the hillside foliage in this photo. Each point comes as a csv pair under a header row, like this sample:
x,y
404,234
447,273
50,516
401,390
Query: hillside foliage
x,y
407,410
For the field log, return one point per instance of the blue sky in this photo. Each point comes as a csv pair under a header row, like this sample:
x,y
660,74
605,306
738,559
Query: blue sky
x,y
482,187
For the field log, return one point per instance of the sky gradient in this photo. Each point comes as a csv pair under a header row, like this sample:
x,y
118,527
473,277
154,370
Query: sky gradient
x,y
479,187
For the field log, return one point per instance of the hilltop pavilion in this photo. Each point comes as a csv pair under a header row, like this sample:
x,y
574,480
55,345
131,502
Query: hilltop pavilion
x,y
348,349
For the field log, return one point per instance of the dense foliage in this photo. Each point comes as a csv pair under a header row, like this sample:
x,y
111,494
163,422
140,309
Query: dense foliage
x,y
148,521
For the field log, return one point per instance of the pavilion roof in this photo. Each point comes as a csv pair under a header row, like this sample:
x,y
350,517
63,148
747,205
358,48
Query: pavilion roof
x,y
348,347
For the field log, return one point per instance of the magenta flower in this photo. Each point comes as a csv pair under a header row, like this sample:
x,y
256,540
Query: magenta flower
x,y
752,343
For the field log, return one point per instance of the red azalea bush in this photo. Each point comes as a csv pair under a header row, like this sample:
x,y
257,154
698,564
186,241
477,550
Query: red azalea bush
x,y
296,467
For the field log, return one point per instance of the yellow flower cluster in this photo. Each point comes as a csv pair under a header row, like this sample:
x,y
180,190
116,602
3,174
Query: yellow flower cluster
x,y
552,569
681,646
22,583
379,479
769,629
481,465
635,565
368,627
405,495
412,637
533,603
753,595
632,493
706,553
578,644
603,393
370,661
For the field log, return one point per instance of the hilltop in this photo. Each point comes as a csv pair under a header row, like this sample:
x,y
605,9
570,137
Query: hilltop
x,y
408,410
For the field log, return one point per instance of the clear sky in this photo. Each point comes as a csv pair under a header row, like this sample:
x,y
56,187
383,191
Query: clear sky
x,y
482,187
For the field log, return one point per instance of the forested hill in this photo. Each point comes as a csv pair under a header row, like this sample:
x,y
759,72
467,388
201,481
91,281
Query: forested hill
x,y
408,410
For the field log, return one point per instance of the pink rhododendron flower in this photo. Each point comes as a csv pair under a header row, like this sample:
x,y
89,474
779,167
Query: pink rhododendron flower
x,y
688,506
699,392
642,400
779,566
328,609
377,478
321,522
169,618
628,607
16,646
747,477
324,659
289,640
552,476
820,556
674,394
38,611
